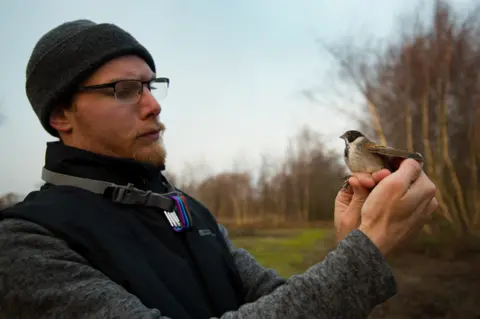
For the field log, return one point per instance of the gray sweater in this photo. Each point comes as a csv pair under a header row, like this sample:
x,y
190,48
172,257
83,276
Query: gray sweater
x,y
41,277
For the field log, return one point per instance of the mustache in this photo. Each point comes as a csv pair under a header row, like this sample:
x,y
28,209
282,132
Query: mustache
x,y
156,127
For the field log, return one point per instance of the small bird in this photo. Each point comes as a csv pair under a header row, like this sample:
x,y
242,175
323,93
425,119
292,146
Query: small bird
x,y
363,155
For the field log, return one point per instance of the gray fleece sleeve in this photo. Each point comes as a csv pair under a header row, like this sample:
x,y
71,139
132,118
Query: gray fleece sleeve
x,y
349,283
41,277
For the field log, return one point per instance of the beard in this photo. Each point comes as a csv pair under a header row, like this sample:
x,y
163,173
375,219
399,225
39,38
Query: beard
x,y
116,144
153,153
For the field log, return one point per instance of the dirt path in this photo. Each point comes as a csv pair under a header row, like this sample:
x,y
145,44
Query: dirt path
x,y
428,287
434,288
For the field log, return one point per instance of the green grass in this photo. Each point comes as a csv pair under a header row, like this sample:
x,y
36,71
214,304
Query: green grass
x,y
289,252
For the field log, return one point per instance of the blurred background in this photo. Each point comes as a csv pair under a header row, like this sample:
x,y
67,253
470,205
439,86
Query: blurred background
x,y
261,91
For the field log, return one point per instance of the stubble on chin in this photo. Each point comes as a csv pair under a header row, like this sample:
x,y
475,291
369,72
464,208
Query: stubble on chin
x,y
154,153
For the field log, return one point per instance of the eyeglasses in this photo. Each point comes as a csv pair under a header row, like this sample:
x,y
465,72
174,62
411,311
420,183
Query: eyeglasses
x,y
130,91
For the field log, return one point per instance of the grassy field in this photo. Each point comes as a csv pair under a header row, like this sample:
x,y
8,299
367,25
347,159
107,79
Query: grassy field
x,y
430,284
288,251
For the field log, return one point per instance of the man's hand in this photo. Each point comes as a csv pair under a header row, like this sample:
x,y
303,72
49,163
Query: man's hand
x,y
398,207
348,204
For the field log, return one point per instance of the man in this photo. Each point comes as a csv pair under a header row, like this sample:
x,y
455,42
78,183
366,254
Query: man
x,y
87,246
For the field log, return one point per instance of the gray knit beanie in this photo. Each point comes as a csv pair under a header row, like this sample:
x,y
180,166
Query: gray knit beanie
x,y
65,56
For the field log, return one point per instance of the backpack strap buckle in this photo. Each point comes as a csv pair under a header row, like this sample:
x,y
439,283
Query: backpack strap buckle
x,y
130,195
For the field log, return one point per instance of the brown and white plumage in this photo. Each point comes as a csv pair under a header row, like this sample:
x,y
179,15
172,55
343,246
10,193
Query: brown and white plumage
x,y
363,155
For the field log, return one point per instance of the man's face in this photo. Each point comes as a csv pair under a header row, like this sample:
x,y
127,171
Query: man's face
x,y
99,123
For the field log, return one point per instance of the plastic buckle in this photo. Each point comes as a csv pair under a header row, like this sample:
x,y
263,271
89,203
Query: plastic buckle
x,y
129,195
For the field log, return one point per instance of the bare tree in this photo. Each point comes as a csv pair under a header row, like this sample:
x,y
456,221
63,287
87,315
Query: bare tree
x,y
299,188
421,92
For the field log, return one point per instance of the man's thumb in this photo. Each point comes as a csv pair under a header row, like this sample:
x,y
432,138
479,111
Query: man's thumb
x,y
360,195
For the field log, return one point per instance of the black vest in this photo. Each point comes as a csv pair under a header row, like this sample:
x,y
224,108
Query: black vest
x,y
189,274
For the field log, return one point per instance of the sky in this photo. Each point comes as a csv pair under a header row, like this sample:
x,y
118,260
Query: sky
x,y
237,70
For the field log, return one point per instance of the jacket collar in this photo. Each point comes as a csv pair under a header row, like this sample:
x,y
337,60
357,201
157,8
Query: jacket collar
x,y
69,160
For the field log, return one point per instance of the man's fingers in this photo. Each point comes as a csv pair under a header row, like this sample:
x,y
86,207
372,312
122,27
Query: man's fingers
x,y
368,180
364,179
360,192
422,189
344,197
378,176
410,171
432,206
425,210
353,181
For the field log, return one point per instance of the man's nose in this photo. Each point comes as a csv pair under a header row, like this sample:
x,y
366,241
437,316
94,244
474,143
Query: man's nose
x,y
149,104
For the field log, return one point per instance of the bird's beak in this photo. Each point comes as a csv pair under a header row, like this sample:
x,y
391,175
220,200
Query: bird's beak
x,y
342,136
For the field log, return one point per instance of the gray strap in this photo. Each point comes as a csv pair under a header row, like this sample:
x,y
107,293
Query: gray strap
x,y
118,193
60,179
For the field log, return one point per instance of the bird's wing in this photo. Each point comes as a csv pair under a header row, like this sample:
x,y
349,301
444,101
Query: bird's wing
x,y
392,156
393,152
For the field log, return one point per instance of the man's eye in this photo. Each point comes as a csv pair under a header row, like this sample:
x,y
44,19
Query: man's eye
x,y
109,91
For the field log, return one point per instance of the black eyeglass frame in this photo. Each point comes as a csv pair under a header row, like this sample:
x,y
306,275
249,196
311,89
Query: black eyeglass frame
x,y
113,85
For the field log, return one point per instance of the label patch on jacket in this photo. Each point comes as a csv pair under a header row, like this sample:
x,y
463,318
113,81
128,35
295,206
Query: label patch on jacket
x,y
205,232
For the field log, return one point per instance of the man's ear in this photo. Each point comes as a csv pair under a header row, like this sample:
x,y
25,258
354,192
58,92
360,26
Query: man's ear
x,y
60,120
